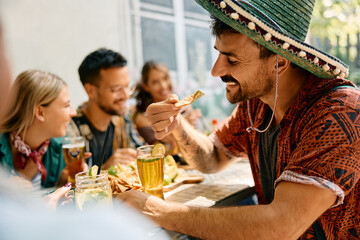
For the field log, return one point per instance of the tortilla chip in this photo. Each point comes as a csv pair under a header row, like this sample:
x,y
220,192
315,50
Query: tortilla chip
x,y
189,99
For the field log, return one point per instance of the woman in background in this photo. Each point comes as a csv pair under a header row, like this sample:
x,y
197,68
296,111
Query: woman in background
x,y
38,113
155,86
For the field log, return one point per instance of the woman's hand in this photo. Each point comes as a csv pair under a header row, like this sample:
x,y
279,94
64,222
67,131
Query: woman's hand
x,y
60,194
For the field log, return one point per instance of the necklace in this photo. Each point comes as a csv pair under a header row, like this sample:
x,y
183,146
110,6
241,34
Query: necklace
x,y
251,127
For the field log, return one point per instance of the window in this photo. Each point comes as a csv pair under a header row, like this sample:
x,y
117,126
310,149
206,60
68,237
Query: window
x,y
159,46
177,33
163,3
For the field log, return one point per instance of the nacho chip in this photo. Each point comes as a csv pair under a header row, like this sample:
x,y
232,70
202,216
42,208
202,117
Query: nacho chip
x,y
189,99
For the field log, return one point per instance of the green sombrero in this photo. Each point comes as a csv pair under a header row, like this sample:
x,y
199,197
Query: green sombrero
x,y
281,26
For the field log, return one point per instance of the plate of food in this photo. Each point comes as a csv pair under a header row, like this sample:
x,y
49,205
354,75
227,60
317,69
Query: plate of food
x,y
125,177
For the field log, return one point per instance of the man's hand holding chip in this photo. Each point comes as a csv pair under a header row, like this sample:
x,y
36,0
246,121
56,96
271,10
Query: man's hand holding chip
x,y
164,116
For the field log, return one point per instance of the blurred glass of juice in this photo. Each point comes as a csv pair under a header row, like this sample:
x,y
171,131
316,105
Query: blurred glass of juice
x,y
92,191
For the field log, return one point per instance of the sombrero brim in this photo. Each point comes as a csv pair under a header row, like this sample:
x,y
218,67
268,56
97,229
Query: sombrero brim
x,y
241,18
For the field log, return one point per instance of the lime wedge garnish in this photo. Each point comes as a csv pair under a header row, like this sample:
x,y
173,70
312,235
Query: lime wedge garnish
x,y
170,168
167,181
158,150
112,171
93,170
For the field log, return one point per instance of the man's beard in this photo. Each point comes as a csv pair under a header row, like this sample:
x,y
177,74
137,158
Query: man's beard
x,y
241,95
111,111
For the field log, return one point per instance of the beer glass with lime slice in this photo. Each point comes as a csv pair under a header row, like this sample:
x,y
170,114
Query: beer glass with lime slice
x,y
150,165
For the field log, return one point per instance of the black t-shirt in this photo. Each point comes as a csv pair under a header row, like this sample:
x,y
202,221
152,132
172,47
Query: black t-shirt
x,y
267,157
97,141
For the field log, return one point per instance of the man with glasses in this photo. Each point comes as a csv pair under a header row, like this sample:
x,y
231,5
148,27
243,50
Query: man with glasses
x,y
105,78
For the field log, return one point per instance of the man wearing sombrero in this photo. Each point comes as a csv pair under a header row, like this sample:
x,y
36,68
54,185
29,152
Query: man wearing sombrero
x,y
297,120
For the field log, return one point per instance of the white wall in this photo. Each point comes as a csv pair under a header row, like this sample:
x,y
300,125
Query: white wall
x,y
56,35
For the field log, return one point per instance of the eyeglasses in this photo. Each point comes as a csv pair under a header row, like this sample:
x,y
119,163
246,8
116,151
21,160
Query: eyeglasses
x,y
120,89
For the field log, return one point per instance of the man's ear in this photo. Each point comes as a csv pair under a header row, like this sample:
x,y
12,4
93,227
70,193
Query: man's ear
x,y
90,89
39,113
283,64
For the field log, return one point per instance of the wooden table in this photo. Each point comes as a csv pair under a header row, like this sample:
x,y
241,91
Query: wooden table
x,y
225,188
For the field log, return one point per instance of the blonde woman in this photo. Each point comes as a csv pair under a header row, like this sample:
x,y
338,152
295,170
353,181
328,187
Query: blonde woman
x,y
38,113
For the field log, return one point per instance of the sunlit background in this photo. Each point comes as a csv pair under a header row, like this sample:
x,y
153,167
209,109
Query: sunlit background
x,y
56,35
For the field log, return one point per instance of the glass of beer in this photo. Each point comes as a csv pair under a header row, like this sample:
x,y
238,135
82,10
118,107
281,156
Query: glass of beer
x,y
74,149
150,167
92,191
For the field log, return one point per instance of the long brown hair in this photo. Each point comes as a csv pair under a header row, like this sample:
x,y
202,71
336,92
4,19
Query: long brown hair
x,y
143,98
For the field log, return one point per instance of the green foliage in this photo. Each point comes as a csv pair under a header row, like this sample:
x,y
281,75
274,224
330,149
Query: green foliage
x,y
335,17
334,28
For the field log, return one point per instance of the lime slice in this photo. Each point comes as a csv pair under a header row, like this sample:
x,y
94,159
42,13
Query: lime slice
x,y
112,171
167,181
93,170
158,150
170,168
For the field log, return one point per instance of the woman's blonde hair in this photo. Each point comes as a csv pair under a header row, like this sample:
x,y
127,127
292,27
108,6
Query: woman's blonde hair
x,y
30,89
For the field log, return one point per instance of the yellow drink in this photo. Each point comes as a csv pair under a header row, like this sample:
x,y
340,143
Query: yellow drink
x,y
151,173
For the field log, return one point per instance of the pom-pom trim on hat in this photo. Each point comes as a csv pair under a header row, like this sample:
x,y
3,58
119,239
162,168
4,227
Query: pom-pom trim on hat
x,y
251,26
267,37
222,4
276,37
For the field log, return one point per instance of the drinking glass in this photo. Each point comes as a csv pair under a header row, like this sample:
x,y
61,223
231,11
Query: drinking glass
x,y
74,149
150,170
92,191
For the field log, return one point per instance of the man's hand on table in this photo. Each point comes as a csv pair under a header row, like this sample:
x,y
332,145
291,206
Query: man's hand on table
x,y
295,207
121,155
151,206
164,116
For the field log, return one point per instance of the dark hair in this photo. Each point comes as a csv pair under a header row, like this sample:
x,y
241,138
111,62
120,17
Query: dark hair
x,y
102,58
143,98
219,27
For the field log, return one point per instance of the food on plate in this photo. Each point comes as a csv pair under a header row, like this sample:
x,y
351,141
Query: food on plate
x,y
125,177
189,99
